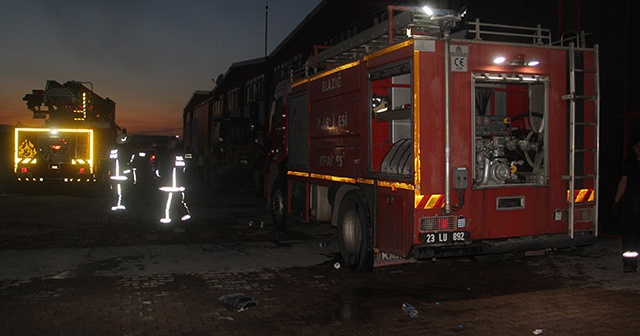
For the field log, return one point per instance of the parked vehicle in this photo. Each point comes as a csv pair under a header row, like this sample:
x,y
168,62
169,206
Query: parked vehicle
x,y
417,144
73,143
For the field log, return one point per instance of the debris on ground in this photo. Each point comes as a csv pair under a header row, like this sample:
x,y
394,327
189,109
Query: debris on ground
x,y
238,301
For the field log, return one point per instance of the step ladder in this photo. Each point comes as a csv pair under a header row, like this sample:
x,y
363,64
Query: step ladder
x,y
581,122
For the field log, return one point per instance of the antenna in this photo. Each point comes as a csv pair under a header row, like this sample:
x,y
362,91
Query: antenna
x,y
266,26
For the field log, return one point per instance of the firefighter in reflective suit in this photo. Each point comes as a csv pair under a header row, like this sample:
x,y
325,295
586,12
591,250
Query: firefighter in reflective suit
x,y
119,171
140,172
171,173
627,203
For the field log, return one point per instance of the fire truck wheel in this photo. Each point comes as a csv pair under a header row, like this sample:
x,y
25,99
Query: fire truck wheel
x,y
279,205
354,232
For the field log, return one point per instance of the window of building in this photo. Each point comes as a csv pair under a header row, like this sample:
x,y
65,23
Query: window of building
x,y
233,97
254,89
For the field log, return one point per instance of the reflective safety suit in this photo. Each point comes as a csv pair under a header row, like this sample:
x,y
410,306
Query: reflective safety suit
x,y
173,186
119,176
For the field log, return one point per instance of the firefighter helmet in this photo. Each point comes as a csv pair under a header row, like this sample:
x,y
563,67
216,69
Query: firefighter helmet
x,y
122,137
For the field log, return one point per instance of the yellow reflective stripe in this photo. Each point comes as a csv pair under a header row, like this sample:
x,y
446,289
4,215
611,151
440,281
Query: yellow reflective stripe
x,y
396,185
430,202
581,195
332,71
393,185
355,63
433,201
72,130
332,178
365,181
417,127
26,160
388,50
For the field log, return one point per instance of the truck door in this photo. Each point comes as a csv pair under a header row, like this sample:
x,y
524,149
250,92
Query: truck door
x,y
391,154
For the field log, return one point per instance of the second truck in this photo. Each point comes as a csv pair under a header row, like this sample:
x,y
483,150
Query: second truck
x,y
73,143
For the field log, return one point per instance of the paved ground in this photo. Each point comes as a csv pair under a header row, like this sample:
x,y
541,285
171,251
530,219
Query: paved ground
x,y
127,275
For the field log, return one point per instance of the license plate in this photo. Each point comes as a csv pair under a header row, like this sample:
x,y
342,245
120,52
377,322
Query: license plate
x,y
449,237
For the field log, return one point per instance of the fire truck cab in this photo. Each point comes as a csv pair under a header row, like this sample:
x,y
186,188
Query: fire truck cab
x,y
417,143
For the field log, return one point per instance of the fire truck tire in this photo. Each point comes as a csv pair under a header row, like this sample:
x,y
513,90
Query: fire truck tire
x,y
354,232
279,204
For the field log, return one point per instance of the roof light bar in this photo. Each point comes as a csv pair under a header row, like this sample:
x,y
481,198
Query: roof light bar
x,y
518,60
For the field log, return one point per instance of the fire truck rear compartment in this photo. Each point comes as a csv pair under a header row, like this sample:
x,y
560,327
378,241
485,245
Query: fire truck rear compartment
x,y
509,131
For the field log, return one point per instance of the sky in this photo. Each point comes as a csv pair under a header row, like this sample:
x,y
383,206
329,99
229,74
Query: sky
x,y
148,56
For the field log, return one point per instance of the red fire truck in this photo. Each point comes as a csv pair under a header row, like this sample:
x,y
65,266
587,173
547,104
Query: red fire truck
x,y
417,143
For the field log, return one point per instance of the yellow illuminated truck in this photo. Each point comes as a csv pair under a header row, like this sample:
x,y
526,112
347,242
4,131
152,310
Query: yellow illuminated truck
x,y
73,143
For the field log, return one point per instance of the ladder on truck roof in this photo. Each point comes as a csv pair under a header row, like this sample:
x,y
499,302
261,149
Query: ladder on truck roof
x,y
377,37
413,21
579,123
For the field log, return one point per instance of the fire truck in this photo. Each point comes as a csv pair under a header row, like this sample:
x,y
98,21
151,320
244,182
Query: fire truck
x,y
73,144
418,141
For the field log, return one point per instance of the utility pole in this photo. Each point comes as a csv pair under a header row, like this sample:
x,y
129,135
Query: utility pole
x,y
266,27
263,117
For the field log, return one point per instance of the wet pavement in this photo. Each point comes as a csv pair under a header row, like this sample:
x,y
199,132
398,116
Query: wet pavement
x,y
69,266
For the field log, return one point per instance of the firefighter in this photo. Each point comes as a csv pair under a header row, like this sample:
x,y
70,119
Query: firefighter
x,y
119,171
171,169
627,204
140,171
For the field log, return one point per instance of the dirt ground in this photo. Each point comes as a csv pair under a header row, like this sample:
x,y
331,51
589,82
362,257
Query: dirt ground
x,y
111,291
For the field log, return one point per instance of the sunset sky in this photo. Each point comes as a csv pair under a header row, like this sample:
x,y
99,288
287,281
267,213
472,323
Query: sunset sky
x,y
147,56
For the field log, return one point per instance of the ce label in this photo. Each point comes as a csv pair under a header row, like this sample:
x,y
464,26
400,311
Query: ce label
x,y
459,63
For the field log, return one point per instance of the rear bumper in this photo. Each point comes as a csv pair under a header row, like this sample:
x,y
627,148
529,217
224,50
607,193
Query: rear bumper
x,y
505,245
